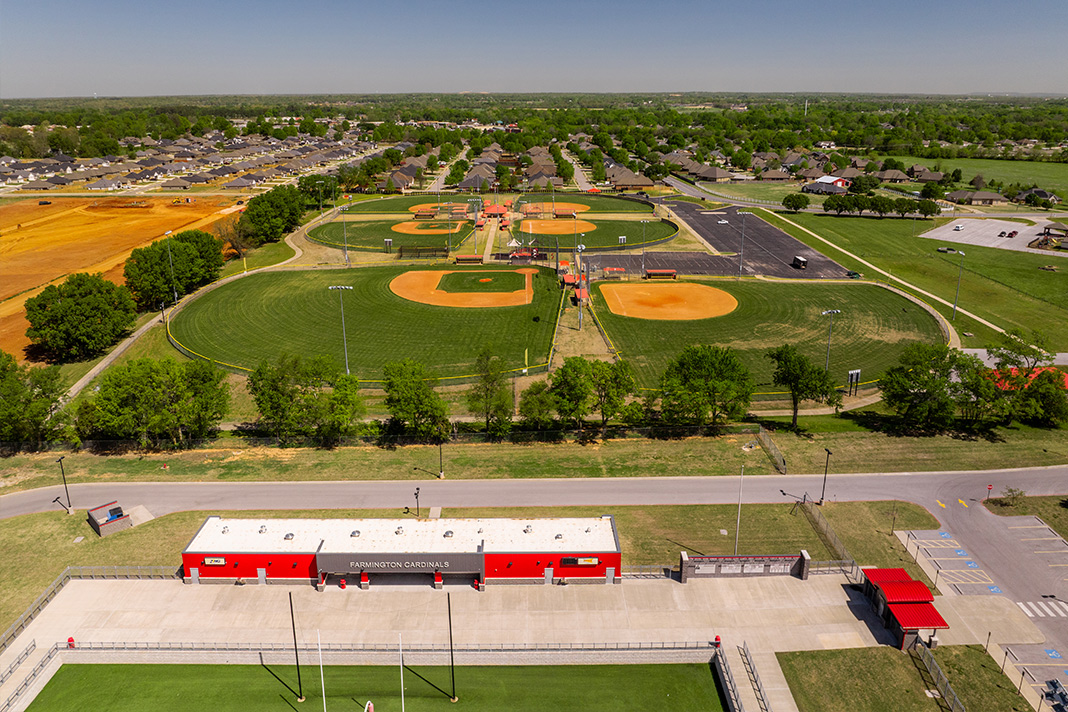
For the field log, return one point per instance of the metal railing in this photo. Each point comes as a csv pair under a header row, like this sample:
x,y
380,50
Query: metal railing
x,y
648,571
18,661
726,679
80,572
37,670
391,647
762,695
940,680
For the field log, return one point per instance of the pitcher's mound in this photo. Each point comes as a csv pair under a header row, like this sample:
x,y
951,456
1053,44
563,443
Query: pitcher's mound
x,y
674,302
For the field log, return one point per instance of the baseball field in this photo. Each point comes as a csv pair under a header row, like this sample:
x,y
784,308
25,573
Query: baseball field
x,y
873,328
390,313
40,244
594,234
369,235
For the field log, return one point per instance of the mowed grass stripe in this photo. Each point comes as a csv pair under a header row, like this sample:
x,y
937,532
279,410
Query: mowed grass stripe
x,y
873,329
606,235
371,235
220,688
596,203
265,315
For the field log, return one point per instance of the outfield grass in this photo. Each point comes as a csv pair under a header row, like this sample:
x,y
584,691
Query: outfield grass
x,y
265,315
1051,176
596,203
874,328
401,204
1004,287
756,190
370,235
888,680
149,688
482,282
1053,510
269,254
606,235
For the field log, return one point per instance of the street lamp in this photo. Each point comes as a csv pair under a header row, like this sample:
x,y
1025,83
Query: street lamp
x,y
345,234
830,328
960,272
826,466
171,261
738,523
64,475
416,502
344,338
643,246
741,252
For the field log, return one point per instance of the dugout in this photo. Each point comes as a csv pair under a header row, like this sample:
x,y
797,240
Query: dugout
x,y
370,551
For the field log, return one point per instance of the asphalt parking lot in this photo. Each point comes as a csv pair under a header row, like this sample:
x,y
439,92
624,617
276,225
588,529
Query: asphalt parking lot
x,y
986,233
766,250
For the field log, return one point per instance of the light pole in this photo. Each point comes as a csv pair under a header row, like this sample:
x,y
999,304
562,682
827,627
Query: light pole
x,y
63,473
643,246
741,252
826,466
830,328
344,337
578,265
738,523
960,273
345,234
416,502
171,261
320,184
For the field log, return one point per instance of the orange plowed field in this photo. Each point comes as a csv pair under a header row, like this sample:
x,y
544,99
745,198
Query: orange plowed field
x,y
41,244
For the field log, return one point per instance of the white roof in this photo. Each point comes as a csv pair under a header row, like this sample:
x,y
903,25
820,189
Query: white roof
x,y
404,536
830,179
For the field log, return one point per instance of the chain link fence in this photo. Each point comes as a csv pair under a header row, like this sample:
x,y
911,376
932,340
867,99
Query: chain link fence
x,y
772,450
940,680
843,563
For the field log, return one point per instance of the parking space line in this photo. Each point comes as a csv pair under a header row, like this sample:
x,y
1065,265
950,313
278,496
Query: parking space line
x,y
1043,538
1055,551
964,576
1029,526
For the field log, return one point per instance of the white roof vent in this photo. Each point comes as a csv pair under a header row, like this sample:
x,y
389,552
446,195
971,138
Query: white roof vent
x,y
480,531
558,536
448,534
587,530
225,530
289,536
528,529
263,529
355,533
400,530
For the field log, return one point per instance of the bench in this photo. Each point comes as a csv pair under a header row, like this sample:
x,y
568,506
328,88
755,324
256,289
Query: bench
x,y
425,215
468,259
561,214
614,272
661,274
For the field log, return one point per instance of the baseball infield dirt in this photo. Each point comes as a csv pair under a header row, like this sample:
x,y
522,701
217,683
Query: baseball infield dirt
x,y
422,286
668,302
556,227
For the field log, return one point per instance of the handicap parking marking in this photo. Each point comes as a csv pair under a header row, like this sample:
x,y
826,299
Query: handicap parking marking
x,y
961,552
997,589
972,565
1052,652
944,535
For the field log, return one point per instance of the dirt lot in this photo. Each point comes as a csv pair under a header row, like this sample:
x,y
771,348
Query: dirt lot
x,y
41,244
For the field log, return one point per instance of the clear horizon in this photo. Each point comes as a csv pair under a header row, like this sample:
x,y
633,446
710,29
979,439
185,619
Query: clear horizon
x,y
122,48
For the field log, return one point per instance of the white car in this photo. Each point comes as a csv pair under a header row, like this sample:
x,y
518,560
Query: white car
x,y
723,222
958,228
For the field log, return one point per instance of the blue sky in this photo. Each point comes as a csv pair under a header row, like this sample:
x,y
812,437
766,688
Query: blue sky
x,y
147,47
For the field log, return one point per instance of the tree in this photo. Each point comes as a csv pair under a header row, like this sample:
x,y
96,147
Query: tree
x,y
795,202
612,383
931,191
928,208
31,402
489,396
572,389
882,204
155,274
1021,360
294,398
79,318
863,184
978,182
1044,401
269,216
742,160
836,204
918,388
804,379
536,404
341,411
706,384
904,206
976,395
413,403
860,203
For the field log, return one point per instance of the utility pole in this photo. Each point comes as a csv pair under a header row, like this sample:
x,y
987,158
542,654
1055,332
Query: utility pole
x,y
960,272
831,312
344,337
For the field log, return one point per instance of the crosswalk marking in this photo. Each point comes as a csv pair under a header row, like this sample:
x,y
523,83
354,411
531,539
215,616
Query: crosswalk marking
x,y
1044,609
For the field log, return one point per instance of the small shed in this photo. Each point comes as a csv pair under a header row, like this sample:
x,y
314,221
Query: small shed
x,y
108,519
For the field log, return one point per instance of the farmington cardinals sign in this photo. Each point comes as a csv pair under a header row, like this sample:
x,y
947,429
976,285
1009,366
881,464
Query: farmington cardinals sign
x,y
453,563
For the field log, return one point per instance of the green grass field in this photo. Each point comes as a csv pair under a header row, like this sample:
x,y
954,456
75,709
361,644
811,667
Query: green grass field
x,y
755,190
149,688
596,203
264,315
401,204
1052,510
871,332
269,254
1051,176
370,235
1004,287
497,281
606,235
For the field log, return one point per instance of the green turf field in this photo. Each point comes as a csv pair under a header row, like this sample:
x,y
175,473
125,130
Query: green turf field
x,y
401,204
605,236
1051,176
596,203
265,315
369,235
871,332
220,688
489,281
1004,287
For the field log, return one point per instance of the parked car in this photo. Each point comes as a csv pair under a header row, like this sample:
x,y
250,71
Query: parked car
x,y
1002,233
958,228
723,222
1014,233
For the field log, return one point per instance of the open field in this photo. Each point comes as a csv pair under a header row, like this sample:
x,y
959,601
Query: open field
x,y
866,529
265,315
888,680
40,546
269,254
369,235
1051,176
1004,287
874,328
147,688
756,190
602,234
40,244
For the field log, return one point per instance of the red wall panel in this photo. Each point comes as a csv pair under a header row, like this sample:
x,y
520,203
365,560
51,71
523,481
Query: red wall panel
x,y
533,565
247,565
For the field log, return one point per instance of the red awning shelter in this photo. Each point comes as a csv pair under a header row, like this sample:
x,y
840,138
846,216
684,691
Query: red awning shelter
x,y
905,592
917,616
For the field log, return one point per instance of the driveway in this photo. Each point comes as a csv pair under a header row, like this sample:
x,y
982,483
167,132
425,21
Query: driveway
x,y
985,233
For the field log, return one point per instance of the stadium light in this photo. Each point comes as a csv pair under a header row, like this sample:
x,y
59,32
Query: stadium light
x,y
643,245
64,474
344,338
830,328
960,273
345,234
